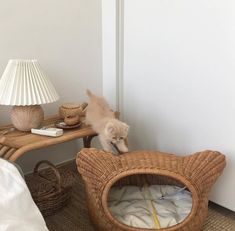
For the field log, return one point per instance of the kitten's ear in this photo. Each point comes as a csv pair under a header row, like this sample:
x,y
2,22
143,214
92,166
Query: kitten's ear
x,y
109,128
89,93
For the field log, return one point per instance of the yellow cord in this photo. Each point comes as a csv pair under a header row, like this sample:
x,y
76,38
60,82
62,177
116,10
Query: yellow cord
x,y
154,210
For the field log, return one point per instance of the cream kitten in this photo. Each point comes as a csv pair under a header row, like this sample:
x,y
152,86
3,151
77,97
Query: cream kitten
x,y
103,121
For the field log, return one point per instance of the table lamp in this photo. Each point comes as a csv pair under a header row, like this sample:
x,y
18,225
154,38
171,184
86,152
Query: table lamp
x,y
25,86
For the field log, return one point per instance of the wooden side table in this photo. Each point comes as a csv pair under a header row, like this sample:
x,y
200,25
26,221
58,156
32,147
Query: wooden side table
x,y
14,144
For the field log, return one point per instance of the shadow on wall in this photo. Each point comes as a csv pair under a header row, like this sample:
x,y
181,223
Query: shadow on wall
x,y
57,154
166,136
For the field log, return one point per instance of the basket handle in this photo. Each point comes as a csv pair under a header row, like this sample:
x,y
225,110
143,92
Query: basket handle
x,y
55,170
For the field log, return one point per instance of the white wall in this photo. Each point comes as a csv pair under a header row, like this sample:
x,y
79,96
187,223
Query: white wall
x,y
109,52
65,37
179,80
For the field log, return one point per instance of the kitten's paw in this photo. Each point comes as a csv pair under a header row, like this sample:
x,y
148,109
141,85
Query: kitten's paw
x,y
123,149
107,149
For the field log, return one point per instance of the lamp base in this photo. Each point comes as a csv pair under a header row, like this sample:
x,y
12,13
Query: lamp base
x,y
26,117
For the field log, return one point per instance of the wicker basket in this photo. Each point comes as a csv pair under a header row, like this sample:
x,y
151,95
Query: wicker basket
x,y
50,190
101,170
69,109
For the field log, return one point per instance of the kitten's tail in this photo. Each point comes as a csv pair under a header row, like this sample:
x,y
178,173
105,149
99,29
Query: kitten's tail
x,y
89,93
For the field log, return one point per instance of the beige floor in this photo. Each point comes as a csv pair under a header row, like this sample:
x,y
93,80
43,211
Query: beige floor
x,y
75,216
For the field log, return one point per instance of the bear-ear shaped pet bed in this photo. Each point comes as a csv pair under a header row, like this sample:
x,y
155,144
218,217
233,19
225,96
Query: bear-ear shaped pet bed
x,y
103,171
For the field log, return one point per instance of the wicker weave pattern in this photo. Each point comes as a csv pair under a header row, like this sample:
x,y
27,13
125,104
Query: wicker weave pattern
x,y
101,170
52,191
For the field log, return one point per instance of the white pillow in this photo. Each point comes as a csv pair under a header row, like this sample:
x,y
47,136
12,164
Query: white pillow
x,y
18,211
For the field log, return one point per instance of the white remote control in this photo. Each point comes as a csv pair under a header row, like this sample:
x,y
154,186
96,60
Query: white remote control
x,y
48,131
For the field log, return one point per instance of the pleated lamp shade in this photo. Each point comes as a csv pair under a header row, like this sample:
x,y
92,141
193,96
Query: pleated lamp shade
x,y
24,86
24,83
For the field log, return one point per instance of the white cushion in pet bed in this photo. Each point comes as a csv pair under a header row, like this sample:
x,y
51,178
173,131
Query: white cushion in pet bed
x,y
155,206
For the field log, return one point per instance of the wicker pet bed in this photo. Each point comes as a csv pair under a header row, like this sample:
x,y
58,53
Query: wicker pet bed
x,y
101,171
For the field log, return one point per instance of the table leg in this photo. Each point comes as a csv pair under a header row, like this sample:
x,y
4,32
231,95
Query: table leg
x,y
87,141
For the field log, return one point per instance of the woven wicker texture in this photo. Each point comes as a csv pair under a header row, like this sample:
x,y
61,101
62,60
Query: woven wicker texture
x,y
74,217
50,190
102,170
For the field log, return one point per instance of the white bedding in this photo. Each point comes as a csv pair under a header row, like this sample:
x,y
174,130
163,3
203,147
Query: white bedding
x,y
131,205
18,211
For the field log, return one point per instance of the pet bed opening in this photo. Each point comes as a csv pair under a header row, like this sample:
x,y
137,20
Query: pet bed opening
x,y
149,201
